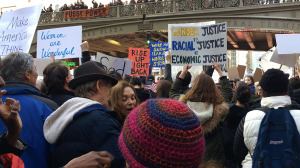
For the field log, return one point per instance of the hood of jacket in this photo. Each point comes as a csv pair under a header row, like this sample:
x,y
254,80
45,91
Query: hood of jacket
x,y
210,115
63,116
275,101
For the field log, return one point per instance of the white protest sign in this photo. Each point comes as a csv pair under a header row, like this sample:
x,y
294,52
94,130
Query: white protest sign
x,y
283,59
288,43
106,60
17,29
198,45
265,61
122,66
62,42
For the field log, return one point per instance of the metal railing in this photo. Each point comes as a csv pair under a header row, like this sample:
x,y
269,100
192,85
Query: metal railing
x,y
167,6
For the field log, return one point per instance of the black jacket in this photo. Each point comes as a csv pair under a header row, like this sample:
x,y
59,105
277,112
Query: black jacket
x,y
142,94
94,128
232,120
59,99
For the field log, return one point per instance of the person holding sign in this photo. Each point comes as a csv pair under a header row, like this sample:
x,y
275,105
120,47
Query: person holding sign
x,y
204,99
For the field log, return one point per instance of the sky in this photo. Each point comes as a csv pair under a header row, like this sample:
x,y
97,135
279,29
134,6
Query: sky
x,y
23,3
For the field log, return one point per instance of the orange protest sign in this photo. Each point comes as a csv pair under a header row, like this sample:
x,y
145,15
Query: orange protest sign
x,y
85,13
140,61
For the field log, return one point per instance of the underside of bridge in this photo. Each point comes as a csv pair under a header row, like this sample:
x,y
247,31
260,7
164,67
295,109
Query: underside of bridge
x,y
237,39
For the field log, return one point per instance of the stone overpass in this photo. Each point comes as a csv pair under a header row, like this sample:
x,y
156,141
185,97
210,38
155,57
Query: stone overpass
x,y
252,24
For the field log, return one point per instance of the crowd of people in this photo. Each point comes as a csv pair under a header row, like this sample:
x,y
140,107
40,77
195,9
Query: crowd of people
x,y
81,5
99,118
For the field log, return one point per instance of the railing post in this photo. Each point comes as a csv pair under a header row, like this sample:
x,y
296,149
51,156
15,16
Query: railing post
x,y
174,5
118,10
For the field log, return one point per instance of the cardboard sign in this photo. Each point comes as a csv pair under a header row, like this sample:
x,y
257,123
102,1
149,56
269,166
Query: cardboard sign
x,y
140,61
198,45
288,43
62,42
233,73
86,13
258,74
122,66
157,54
241,69
17,29
41,64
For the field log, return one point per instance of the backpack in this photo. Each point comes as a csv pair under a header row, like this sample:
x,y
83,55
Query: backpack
x,y
278,141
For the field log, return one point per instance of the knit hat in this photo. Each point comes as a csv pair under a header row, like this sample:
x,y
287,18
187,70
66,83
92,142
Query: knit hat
x,y
162,133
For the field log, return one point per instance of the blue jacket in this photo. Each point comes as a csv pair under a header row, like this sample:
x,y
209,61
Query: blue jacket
x,y
35,108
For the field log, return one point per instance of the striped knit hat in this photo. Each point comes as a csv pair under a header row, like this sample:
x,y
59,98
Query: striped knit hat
x,y
162,133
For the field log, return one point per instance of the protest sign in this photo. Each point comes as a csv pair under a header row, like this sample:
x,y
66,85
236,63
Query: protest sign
x,y
86,13
17,29
236,72
140,61
41,64
257,74
288,43
62,42
265,61
198,45
106,60
241,69
283,59
157,54
233,73
122,66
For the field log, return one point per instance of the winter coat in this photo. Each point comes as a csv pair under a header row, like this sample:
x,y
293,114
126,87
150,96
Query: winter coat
x,y
232,120
296,95
62,97
142,94
252,88
177,90
82,125
168,74
35,108
210,117
9,154
247,132
227,92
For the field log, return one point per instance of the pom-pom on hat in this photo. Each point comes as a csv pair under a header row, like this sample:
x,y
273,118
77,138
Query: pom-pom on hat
x,y
162,133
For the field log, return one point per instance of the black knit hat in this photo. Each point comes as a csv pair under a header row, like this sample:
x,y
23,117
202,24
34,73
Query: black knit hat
x,y
274,81
90,71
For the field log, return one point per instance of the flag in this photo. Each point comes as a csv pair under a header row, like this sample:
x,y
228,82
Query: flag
x,y
151,87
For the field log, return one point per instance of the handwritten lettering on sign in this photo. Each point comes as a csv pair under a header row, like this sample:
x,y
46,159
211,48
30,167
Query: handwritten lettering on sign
x,y
140,61
17,29
62,42
157,54
122,66
198,45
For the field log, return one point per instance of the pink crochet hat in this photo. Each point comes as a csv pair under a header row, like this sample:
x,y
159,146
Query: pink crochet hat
x,y
162,133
